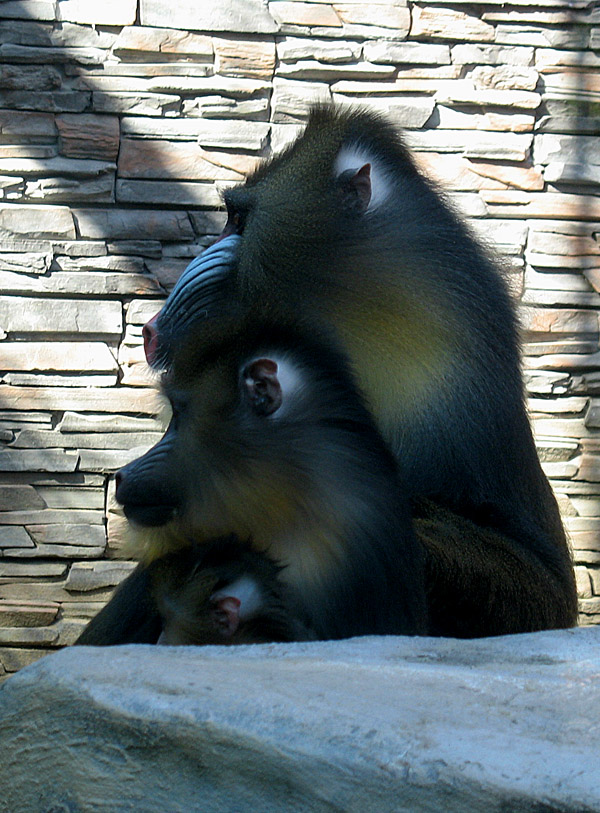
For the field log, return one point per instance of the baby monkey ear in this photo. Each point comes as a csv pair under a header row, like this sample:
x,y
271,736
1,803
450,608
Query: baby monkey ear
x,y
225,611
263,388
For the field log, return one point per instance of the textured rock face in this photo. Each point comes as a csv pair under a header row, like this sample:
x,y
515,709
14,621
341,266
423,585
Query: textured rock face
x,y
368,724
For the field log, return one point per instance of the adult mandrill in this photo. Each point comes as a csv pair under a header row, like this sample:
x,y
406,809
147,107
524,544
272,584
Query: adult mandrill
x,y
270,441
342,233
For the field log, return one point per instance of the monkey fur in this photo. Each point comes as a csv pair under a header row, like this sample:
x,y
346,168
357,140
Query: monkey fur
x,y
342,235
222,593
270,441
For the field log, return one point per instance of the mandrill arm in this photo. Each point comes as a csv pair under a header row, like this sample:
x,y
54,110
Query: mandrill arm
x,y
480,582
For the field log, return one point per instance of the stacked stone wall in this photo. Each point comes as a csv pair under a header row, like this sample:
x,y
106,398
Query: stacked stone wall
x,y
121,122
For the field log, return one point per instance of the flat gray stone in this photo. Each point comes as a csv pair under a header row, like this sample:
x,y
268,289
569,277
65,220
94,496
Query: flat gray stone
x,y
384,724
133,224
249,16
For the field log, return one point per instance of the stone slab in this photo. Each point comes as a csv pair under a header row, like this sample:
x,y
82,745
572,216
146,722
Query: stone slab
x,y
60,316
382,724
250,16
109,12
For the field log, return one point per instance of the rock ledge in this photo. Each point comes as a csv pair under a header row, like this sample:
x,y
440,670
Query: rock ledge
x,y
371,724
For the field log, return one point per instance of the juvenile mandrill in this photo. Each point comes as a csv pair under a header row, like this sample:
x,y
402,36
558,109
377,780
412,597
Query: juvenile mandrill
x,y
270,441
341,234
222,593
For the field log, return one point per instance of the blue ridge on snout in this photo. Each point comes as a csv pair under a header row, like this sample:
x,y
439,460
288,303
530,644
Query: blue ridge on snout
x,y
197,292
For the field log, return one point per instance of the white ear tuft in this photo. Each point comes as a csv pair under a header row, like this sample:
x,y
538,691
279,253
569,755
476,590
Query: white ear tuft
x,y
353,158
290,378
247,592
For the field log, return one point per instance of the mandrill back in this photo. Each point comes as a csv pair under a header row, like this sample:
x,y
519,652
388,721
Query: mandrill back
x,y
345,233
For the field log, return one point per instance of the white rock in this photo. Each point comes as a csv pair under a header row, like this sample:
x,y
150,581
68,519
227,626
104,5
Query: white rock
x,y
382,724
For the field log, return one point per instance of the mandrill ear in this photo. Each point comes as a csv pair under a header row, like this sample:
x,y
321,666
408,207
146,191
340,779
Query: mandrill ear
x,y
364,181
360,183
225,611
262,385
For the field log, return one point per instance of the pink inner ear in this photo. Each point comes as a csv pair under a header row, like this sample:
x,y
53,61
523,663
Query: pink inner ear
x,y
263,386
362,185
226,612
262,368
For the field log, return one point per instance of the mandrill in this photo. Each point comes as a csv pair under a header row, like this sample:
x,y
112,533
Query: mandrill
x,y
343,237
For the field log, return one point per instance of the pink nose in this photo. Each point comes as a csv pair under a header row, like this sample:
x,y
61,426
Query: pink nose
x,y
150,334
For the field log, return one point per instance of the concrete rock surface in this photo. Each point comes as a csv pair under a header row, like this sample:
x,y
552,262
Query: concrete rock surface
x,y
371,724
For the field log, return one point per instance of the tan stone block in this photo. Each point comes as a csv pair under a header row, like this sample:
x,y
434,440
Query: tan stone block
x,y
251,58
239,163
26,262
292,100
63,497
57,356
248,16
151,158
309,14
310,69
86,135
61,316
549,320
446,23
112,400
137,104
482,144
407,112
14,536
69,533
86,576
45,379
36,221
222,107
384,15
291,49
35,460
133,224
20,497
472,54
548,60
75,422
593,277
563,298
109,12
409,80
23,126
34,10
27,613
553,243
505,77
568,37
17,570
38,439
139,311
182,193
527,178
542,204
463,91
450,118
146,40
109,460
89,283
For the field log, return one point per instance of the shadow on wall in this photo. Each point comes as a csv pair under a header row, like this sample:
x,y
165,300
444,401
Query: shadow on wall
x,y
116,135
